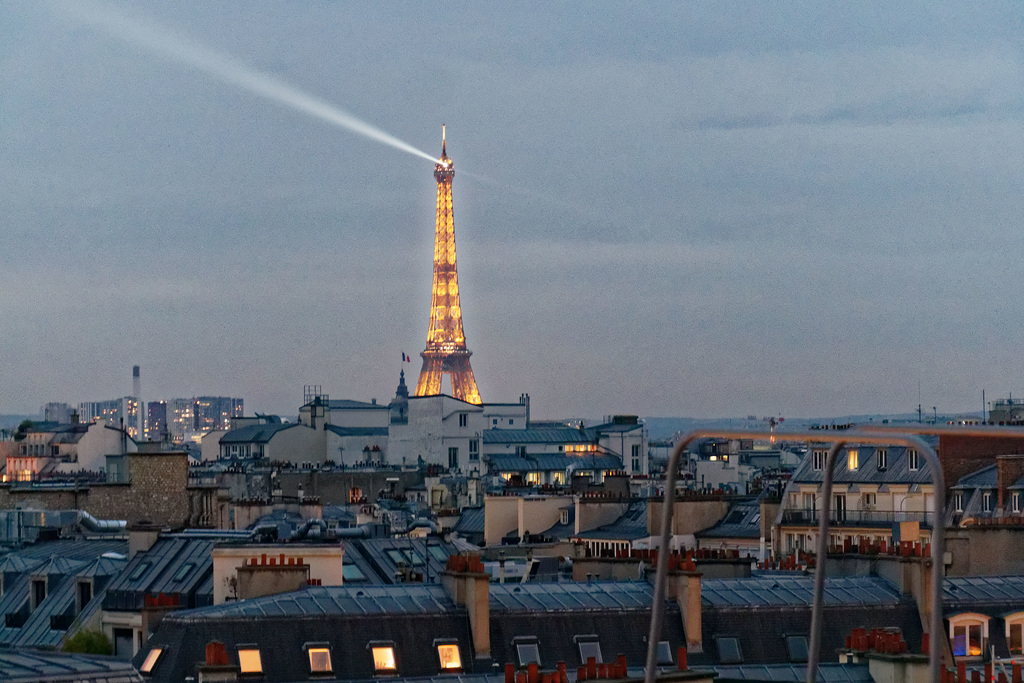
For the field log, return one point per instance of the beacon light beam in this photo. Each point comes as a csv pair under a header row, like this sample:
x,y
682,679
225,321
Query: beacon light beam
x,y
224,68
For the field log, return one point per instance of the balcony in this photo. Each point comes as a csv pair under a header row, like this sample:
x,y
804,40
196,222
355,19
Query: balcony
x,y
882,519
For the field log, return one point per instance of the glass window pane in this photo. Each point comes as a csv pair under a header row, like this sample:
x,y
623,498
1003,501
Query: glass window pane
x,y
384,658
449,656
249,662
665,653
154,654
974,635
959,641
590,648
729,651
797,647
527,652
319,659
1016,639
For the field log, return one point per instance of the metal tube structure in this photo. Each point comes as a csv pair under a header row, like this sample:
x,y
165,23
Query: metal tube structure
x,y
897,436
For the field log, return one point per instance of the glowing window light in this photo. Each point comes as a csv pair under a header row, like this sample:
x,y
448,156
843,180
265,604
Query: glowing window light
x,y
384,658
151,659
320,660
449,656
250,662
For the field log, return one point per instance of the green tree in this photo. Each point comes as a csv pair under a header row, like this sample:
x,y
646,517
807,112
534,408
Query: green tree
x,y
22,428
89,643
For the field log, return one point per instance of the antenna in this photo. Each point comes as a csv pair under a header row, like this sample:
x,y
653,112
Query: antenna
x,y
443,153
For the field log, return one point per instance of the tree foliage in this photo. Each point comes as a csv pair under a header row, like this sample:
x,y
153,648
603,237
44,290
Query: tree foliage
x,y
89,643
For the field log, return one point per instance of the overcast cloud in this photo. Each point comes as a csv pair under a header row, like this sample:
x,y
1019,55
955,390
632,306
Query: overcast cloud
x,y
700,209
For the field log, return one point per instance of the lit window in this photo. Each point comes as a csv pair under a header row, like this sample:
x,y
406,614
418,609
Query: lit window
x,y
969,634
912,460
320,660
852,459
151,659
249,661
1015,633
449,657
383,658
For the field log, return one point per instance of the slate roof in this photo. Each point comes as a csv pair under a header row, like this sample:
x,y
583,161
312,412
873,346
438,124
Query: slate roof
x,y
261,433
897,469
985,478
796,590
471,521
357,431
571,597
974,592
552,463
385,556
742,521
25,665
566,435
831,672
176,563
631,526
347,404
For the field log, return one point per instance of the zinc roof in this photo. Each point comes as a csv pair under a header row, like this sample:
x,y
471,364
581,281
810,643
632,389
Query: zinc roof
x,y
897,470
556,597
261,433
552,463
32,665
565,435
796,590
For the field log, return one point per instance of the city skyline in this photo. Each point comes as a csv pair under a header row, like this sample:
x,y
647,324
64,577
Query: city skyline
x,y
700,210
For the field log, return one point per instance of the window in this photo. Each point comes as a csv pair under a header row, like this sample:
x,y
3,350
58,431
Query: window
x,y
527,650
350,572
463,419
729,650
474,449
796,647
139,571
449,657
184,571
383,658
840,507
38,592
319,660
510,420
355,494
151,660
494,422
1015,501
968,634
84,594
852,461
249,661
958,502
818,459
912,461
1015,633
810,504
869,500
589,646
883,459
453,457
665,653
986,502
563,516
521,451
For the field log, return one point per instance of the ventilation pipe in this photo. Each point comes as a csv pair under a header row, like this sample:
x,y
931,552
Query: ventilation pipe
x,y
100,526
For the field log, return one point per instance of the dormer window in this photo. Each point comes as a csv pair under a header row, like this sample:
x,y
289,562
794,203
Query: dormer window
x,y
958,502
1015,633
818,458
968,634
1015,501
151,659
589,646
564,517
463,419
852,460
249,660
883,459
913,463
527,650
319,658
383,657
448,656
986,502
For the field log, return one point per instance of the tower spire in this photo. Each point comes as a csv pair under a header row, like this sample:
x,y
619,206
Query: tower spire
x,y
446,351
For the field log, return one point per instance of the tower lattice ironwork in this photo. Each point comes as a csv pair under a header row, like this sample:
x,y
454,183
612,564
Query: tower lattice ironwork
x,y
446,351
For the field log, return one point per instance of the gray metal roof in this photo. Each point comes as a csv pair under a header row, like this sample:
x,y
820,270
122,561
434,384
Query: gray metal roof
x,y
983,590
347,404
357,431
553,463
629,527
323,600
742,521
797,590
470,521
37,665
566,435
897,470
554,597
261,433
985,478
827,672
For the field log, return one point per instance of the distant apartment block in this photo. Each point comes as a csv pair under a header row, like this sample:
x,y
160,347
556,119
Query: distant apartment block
x,y
116,412
187,419
57,412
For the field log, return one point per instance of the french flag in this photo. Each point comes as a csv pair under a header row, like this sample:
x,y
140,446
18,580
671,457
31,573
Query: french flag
x,y
405,358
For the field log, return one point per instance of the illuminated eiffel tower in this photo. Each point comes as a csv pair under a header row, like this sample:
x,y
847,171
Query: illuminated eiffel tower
x,y
446,351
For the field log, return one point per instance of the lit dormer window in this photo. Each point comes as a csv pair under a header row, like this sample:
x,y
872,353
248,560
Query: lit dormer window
x,y
319,658
151,659
968,634
383,657
852,461
249,660
449,657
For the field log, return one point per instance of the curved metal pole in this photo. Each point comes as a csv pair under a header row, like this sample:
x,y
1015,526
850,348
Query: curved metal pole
x,y
821,550
858,436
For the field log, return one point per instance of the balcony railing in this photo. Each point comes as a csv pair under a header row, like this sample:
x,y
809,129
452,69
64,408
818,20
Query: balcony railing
x,y
880,518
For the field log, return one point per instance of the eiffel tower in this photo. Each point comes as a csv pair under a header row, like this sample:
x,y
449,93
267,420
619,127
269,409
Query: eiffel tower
x,y
446,351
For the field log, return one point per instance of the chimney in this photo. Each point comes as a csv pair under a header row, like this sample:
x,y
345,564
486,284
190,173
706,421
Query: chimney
x,y
216,669
468,584
137,394
684,586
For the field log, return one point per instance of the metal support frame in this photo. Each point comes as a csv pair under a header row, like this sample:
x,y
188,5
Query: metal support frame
x,y
897,436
